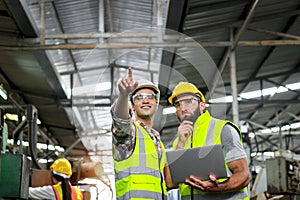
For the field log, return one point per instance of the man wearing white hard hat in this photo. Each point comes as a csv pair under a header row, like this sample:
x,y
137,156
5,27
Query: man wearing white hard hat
x,y
139,155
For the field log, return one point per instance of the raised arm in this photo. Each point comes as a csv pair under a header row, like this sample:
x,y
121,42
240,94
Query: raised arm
x,y
125,85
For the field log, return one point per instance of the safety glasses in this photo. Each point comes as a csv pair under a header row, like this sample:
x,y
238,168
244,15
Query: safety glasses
x,y
185,102
142,96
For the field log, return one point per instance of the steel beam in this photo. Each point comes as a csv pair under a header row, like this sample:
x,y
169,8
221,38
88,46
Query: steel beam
x,y
227,54
124,45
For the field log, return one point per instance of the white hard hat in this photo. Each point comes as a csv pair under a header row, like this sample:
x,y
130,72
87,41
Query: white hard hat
x,y
143,83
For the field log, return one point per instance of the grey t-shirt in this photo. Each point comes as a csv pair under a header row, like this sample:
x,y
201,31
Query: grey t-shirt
x,y
233,148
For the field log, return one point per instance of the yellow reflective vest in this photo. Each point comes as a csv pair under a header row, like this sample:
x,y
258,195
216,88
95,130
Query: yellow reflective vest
x,y
207,131
76,194
141,175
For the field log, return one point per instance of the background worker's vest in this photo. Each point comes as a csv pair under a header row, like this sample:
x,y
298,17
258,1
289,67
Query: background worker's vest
x,y
141,175
76,194
213,128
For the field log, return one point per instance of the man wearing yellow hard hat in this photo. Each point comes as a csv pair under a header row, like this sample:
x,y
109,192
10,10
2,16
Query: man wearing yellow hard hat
x,y
198,128
61,170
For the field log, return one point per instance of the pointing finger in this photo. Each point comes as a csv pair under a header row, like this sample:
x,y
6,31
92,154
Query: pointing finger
x,y
130,73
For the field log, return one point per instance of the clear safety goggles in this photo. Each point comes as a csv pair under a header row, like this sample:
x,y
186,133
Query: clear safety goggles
x,y
143,96
185,102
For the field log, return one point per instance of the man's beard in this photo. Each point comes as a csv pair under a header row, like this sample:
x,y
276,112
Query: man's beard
x,y
193,117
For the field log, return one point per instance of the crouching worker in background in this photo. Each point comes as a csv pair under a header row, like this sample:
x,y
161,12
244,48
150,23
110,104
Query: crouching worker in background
x,y
61,170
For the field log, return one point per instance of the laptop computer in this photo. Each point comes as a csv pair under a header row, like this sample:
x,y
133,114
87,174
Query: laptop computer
x,y
200,162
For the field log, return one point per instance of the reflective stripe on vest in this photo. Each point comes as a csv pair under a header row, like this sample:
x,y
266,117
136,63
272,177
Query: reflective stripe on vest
x,y
213,128
141,175
76,194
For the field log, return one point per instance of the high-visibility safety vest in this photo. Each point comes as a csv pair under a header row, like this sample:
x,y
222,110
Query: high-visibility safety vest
x,y
141,175
213,128
76,194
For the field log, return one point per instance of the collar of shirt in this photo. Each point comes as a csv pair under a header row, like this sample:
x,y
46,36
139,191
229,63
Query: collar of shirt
x,y
153,134
151,131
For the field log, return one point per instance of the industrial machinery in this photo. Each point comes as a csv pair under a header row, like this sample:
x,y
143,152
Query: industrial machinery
x,y
283,174
279,179
19,166
14,176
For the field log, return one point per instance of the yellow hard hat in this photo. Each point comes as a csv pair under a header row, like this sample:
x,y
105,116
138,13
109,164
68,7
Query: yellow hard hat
x,y
185,88
62,167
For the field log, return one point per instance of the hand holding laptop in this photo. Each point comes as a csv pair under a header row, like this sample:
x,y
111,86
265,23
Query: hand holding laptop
x,y
211,186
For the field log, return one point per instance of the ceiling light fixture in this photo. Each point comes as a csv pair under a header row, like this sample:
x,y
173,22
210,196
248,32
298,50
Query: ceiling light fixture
x,y
3,92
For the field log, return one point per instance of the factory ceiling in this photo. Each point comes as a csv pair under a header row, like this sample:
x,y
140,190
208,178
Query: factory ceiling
x,y
60,62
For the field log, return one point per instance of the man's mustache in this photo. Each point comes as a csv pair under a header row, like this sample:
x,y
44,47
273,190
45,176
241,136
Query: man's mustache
x,y
191,118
